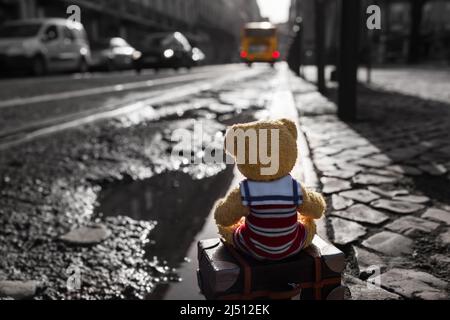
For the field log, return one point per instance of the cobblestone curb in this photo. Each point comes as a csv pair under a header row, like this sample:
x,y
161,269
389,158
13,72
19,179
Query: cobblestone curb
x,y
382,178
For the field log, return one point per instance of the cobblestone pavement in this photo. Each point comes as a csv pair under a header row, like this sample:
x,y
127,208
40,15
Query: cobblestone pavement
x,y
386,178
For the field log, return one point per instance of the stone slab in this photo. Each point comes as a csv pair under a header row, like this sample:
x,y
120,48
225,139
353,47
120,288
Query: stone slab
x,y
388,193
361,290
362,213
389,243
332,185
360,195
412,226
437,215
412,198
397,206
367,179
340,203
367,259
346,231
413,284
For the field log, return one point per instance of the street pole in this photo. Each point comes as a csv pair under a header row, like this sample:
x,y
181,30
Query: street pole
x,y
348,59
369,58
414,33
319,19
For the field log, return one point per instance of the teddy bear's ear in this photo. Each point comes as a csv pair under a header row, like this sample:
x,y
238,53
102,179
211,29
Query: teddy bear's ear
x,y
290,125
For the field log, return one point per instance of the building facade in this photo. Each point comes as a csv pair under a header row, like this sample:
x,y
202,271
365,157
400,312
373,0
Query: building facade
x,y
391,44
213,25
432,41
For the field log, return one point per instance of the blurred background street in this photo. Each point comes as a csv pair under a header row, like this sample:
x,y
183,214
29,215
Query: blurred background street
x,y
93,205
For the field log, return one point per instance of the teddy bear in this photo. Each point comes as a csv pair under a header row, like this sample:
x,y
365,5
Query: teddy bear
x,y
270,215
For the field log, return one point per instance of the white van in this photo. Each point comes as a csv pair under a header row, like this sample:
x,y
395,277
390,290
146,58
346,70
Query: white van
x,y
44,45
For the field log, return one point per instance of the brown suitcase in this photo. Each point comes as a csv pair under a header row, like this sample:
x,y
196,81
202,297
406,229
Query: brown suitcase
x,y
313,274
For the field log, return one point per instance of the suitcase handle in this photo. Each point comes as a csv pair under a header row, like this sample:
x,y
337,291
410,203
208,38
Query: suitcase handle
x,y
247,270
315,254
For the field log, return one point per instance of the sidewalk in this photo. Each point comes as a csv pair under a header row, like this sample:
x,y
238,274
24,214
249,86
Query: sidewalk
x,y
386,180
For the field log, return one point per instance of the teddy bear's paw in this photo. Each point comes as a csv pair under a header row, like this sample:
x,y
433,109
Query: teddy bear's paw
x,y
227,233
310,228
314,205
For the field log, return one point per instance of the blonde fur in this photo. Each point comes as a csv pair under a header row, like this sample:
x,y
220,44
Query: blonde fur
x,y
230,212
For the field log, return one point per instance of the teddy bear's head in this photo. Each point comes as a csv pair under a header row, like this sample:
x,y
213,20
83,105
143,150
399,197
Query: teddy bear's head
x,y
263,150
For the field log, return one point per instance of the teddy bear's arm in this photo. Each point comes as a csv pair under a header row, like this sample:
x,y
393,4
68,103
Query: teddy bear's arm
x,y
313,204
230,210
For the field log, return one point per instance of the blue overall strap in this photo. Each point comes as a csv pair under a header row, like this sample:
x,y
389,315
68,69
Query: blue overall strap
x,y
247,192
295,192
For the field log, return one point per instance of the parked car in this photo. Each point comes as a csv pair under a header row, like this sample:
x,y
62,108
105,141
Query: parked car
x,y
165,50
44,45
198,57
113,54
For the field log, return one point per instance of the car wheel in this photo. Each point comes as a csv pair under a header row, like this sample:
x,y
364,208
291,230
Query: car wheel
x,y
83,66
39,66
110,66
137,66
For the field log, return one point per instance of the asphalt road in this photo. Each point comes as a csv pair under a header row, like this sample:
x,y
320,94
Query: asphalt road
x,y
32,104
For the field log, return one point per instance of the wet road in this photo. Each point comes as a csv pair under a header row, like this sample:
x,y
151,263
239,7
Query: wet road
x,y
21,87
97,151
34,102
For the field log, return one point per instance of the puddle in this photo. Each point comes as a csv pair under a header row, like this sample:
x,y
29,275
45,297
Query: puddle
x,y
179,204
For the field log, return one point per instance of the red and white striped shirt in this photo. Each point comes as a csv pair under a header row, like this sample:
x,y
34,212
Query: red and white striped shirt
x,y
271,230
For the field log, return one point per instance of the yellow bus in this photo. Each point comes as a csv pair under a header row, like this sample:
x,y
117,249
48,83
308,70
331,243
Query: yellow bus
x,y
259,43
